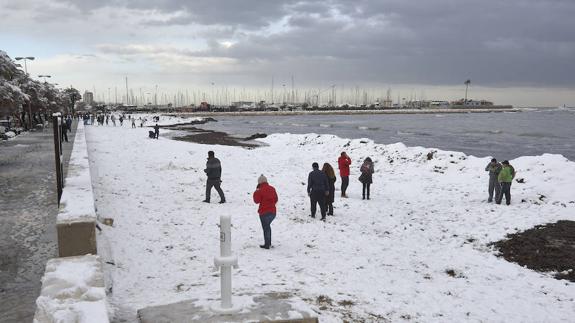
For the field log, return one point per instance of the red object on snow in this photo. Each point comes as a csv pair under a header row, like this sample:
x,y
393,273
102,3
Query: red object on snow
x,y
266,196
343,163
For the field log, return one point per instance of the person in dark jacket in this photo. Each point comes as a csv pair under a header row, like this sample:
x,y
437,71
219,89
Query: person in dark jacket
x,y
330,173
493,168
366,177
69,123
266,196
64,130
343,163
317,189
157,131
214,172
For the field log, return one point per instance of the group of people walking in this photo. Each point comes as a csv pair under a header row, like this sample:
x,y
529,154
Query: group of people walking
x,y
501,176
320,189
321,183
112,119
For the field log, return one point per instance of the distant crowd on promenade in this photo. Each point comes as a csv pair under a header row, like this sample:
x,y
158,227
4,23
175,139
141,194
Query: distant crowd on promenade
x,y
111,119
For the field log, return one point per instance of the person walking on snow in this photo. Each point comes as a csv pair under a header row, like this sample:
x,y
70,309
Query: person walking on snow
x,y
157,131
214,172
114,120
317,189
493,168
265,195
64,130
133,122
121,121
505,178
366,177
69,123
343,163
330,173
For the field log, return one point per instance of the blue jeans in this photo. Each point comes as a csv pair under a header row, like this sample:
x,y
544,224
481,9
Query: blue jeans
x,y
266,220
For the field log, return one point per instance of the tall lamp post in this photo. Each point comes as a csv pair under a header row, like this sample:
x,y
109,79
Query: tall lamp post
x,y
45,77
72,100
28,58
213,94
466,88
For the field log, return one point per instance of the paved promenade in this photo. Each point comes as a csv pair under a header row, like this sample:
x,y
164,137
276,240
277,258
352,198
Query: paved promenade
x,y
28,209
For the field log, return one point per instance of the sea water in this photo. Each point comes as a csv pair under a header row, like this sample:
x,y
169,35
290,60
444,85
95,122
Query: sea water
x,y
503,135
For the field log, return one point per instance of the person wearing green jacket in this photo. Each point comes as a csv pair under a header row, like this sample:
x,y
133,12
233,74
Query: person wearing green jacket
x,y
505,178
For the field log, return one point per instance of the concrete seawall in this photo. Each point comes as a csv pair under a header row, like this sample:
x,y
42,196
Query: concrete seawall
x,y
73,285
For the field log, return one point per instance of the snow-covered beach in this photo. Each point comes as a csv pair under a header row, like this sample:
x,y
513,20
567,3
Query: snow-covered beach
x,y
416,251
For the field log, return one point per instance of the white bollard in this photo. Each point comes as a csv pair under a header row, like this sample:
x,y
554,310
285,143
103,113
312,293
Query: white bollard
x,y
225,262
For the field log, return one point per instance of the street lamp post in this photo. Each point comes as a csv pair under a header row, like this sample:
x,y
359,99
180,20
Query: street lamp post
x,y
466,88
28,58
45,77
213,94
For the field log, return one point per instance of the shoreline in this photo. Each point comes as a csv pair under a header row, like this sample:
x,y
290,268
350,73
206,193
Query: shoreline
x,y
347,112
211,137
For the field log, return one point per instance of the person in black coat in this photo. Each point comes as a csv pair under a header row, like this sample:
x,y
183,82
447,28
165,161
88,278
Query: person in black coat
x,y
69,123
330,173
64,130
157,131
317,189
214,172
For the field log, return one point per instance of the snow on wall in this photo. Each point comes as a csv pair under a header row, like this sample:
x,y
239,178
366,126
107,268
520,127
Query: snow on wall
x,y
77,202
72,291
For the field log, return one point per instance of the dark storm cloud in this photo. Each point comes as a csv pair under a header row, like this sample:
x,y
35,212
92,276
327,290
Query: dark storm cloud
x,y
494,42
247,13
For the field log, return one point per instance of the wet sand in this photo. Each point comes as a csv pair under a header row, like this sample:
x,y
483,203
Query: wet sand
x,y
210,137
546,248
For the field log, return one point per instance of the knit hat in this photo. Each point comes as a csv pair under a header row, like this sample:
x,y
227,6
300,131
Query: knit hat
x,y
262,179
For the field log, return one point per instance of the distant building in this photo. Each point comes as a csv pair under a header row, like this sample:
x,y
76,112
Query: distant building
x,y
439,104
244,105
387,103
89,98
473,103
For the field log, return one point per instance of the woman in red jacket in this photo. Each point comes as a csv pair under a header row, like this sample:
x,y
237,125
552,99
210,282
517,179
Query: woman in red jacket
x,y
266,196
343,163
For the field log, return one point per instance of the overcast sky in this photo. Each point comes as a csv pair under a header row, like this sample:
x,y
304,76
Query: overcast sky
x,y
514,51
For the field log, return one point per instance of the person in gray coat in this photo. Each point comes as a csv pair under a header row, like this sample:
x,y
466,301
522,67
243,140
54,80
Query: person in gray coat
x,y
214,172
317,190
493,168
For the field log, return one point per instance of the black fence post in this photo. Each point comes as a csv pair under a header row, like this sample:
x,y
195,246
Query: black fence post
x,y
58,154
